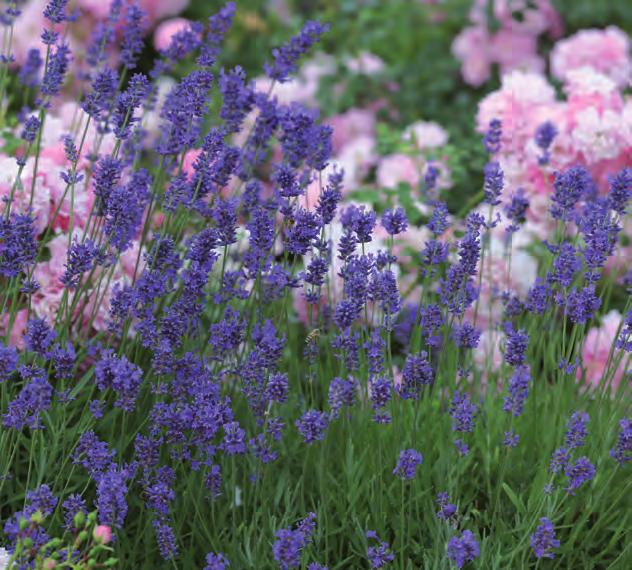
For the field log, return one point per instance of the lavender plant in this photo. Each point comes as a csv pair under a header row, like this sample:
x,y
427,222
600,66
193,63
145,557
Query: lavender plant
x,y
205,355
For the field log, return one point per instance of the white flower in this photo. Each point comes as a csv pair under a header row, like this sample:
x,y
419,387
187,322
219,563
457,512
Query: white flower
x,y
427,134
4,558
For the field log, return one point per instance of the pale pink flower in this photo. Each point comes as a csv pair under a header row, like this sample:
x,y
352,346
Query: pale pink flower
x,y
166,30
596,135
426,134
349,125
606,51
596,352
520,93
356,159
586,87
365,63
516,50
472,48
16,335
396,168
102,534
40,208
528,88
488,355
159,9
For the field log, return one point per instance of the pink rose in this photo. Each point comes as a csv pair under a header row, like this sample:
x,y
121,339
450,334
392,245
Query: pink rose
x,y
605,51
472,48
426,134
166,30
598,355
516,50
396,168
349,125
16,336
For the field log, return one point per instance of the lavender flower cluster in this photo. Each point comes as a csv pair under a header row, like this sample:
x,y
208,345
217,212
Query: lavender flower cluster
x,y
174,325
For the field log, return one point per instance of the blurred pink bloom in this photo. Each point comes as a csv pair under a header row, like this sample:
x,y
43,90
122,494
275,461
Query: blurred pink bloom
x,y
16,335
349,125
596,135
356,158
606,51
40,208
516,50
472,48
102,534
514,44
365,63
596,362
396,168
426,134
166,30
488,355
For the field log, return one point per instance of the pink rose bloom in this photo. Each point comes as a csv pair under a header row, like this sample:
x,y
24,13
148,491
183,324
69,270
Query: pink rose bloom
x,y
586,87
21,197
605,51
596,136
349,125
472,48
426,134
596,352
27,29
16,336
189,160
166,30
47,299
516,50
159,9
520,93
356,158
396,168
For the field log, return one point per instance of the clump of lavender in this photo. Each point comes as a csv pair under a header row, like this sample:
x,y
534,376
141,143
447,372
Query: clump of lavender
x,y
493,136
379,553
462,411
543,541
286,57
494,182
312,426
463,549
447,510
576,430
569,188
518,391
622,452
394,221
216,561
516,210
409,460
290,543
578,473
